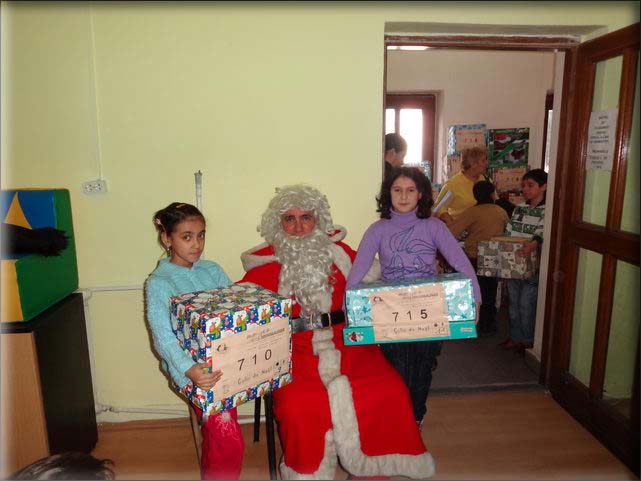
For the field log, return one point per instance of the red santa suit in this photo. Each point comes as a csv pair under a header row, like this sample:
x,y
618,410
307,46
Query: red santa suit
x,y
344,402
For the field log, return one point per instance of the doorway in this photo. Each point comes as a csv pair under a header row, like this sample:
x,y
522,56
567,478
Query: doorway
x,y
584,66
498,89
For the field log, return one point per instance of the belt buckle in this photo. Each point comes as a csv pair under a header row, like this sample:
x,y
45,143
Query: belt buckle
x,y
322,317
328,316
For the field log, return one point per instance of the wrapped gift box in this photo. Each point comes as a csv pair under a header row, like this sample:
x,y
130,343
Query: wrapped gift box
x,y
508,179
453,165
508,147
497,258
200,318
461,137
442,307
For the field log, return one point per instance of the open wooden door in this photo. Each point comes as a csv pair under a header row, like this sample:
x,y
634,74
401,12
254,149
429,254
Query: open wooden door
x,y
594,276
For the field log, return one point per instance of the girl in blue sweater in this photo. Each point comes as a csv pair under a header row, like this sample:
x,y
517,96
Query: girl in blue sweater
x,y
181,231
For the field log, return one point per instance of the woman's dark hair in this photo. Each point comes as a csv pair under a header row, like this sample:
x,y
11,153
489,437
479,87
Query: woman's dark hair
x,y
483,191
168,218
423,185
395,141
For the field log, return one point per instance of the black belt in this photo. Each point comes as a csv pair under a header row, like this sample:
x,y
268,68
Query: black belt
x,y
321,321
331,318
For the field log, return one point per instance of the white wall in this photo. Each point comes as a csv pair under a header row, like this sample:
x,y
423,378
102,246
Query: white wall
x,y
496,88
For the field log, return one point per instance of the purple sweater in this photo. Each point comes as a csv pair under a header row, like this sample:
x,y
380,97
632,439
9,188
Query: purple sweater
x,y
406,247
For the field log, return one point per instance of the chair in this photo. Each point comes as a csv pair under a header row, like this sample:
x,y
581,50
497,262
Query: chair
x,y
269,427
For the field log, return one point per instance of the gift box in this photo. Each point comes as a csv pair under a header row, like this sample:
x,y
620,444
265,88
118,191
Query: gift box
x,y
461,137
497,258
453,165
427,308
508,147
204,322
508,179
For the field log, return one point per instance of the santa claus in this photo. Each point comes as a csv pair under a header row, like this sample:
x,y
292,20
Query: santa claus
x,y
345,403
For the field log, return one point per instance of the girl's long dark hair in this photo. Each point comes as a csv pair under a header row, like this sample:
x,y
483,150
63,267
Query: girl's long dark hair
x,y
423,185
166,220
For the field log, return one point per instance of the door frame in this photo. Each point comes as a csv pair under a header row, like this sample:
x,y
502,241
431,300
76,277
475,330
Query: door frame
x,y
621,435
554,329
567,45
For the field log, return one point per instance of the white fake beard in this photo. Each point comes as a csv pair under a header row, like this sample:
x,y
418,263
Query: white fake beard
x,y
306,264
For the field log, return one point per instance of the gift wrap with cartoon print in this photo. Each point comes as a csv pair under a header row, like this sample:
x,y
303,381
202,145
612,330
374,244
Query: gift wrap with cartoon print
x,y
242,329
421,309
497,258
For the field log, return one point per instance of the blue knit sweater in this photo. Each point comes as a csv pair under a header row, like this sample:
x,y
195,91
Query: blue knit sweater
x,y
170,280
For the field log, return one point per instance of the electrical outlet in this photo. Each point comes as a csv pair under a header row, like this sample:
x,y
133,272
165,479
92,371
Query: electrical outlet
x,y
98,186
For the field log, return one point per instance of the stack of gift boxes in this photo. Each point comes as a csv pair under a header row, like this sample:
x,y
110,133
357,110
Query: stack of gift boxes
x,y
455,289
459,138
498,257
201,317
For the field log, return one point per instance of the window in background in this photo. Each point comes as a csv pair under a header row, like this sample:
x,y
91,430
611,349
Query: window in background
x,y
414,117
547,131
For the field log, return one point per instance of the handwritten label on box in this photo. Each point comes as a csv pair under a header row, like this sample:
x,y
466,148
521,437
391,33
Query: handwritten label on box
x,y
251,357
509,179
468,138
414,312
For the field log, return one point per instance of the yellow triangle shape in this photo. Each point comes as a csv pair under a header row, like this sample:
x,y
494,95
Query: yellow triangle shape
x,y
15,215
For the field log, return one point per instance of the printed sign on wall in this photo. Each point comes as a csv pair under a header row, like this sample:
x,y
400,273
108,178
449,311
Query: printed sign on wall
x,y
601,133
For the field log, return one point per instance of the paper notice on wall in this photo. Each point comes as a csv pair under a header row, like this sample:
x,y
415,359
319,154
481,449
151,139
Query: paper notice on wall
x,y
601,137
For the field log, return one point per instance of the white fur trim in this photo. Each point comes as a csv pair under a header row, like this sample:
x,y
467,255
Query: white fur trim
x,y
326,469
348,442
346,429
251,260
341,259
329,358
322,340
340,235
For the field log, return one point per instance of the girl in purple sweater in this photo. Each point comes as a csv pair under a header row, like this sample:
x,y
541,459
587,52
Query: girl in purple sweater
x,y
406,239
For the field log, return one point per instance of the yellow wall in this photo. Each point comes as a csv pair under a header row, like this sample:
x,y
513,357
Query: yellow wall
x,y
255,95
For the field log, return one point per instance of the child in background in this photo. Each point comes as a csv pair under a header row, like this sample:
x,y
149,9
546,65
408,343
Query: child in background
x,y
395,151
181,231
482,222
503,201
406,239
526,221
